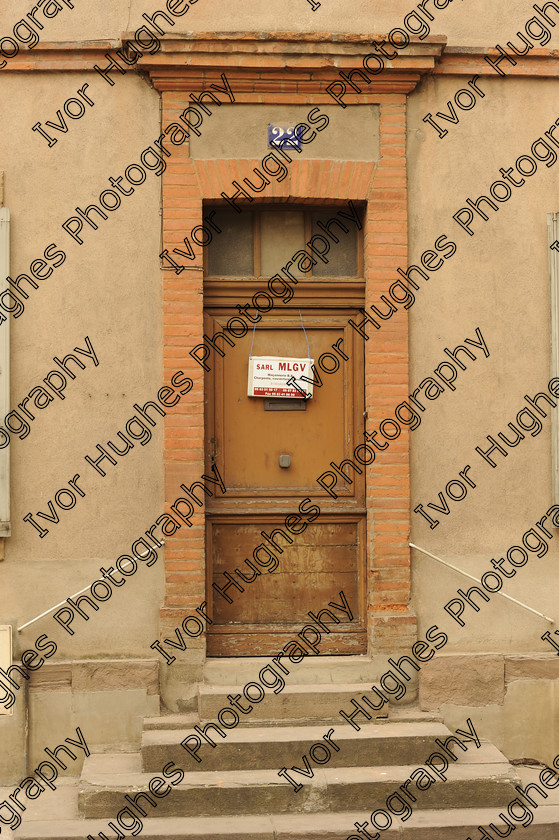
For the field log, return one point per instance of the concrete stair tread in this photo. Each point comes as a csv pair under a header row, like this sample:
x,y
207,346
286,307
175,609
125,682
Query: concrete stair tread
x,y
293,688
301,736
172,721
412,714
306,703
308,733
324,669
250,748
124,771
330,826
404,714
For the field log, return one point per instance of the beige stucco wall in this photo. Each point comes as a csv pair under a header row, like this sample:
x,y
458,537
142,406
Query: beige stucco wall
x,y
110,290
497,281
352,134
474,23
491,272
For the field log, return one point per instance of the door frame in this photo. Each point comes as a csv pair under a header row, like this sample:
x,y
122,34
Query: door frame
x,y
382,186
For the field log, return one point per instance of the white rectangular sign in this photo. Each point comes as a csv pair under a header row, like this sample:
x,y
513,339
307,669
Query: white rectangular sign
x,y
268,377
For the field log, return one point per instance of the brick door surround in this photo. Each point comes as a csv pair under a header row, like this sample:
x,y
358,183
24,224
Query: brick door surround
x,y
293,68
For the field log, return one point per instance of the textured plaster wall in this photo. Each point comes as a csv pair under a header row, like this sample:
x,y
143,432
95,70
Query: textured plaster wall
x,y
497,281
464,22
109,289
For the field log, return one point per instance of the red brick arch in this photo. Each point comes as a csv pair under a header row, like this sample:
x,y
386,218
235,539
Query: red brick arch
x,y
307,180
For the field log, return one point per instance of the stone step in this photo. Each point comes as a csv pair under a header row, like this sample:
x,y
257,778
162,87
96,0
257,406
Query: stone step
x,y
276,747
170,721
107,778
306,703
455,824
404,714
318,670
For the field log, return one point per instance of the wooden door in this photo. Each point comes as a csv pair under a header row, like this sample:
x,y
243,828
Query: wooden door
x,y
290,573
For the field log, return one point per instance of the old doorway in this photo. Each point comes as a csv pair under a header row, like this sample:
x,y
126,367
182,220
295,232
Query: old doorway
x,y
270,451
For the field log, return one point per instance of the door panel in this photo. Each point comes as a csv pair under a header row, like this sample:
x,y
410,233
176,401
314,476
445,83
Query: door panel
x,y
245,441
310,573
315,567
249,439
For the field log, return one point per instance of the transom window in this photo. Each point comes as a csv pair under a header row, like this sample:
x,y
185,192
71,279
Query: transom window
x,y
259,241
